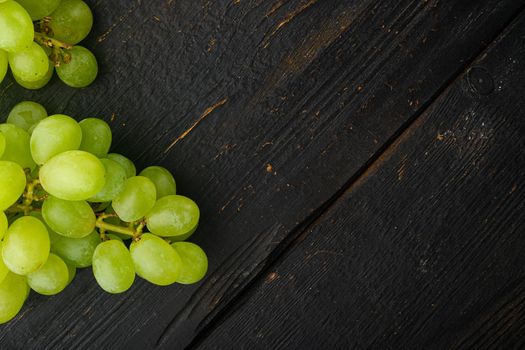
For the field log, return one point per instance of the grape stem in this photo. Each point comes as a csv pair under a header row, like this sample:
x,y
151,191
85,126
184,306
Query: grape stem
x,y
104,226
44,40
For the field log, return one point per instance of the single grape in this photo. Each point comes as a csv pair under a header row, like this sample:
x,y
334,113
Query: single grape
x,y
26,114
96,136
162,178
173,215
136,199
3,224
115,179
17,28
72,272
26,245
17,146
30,64
77,252
71,21
125,163
51,278
155,260
3,64
39,9
54,135
13,294
37,84
194,262
73,219
12,183
113,267
73,175
81,70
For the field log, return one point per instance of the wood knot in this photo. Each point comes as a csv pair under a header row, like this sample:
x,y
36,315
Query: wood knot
x,y
480,81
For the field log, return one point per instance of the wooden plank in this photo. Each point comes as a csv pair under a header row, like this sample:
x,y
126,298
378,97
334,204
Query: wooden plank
x,y
426,249
276,91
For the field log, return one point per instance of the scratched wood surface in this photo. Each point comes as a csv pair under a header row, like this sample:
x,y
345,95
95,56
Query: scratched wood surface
x,y
423,251
266,111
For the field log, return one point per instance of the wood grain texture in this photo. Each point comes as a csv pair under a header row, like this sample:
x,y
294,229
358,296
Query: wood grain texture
x,y
312,91
426,249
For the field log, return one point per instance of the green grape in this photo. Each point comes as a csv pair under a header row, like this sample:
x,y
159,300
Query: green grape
x,y
51,278
12,183
115,179
39,9
30,64
173,216
73,219
81,70
3,64
54,135
73,175
76,252
72,272
113,267
37,84
155,260
125,163
26,114
71,21
26,245
194,262
3,269
13,294
136,199
96,137
3,224
2,144
17,28
162,178
17,146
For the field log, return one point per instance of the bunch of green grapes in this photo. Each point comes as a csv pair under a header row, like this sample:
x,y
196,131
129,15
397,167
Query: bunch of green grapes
x,y
66,203
38,37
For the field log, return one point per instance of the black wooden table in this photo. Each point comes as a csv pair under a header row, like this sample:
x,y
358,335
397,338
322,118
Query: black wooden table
x,y
359,165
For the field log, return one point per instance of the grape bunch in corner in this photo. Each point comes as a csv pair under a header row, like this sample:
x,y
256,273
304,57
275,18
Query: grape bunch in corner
x,y
39,37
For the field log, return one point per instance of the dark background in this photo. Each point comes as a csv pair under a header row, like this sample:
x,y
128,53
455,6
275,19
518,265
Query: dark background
x,y
359,166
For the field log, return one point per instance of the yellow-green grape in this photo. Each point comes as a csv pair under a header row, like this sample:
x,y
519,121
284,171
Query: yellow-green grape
x,y
173,216
162,178
80,70
115,180
12,183
3,64
113,267
17,146
13,294
194,262
76,252
26,245
155,260
30,64
71,21
73,175
96,136
17,28
74,219
125,163
54,135
38,9
51,278
136,199
40,83
3,224
26,114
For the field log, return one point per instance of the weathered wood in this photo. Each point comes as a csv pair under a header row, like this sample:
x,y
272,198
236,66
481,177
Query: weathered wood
x,y
426,249
284,103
